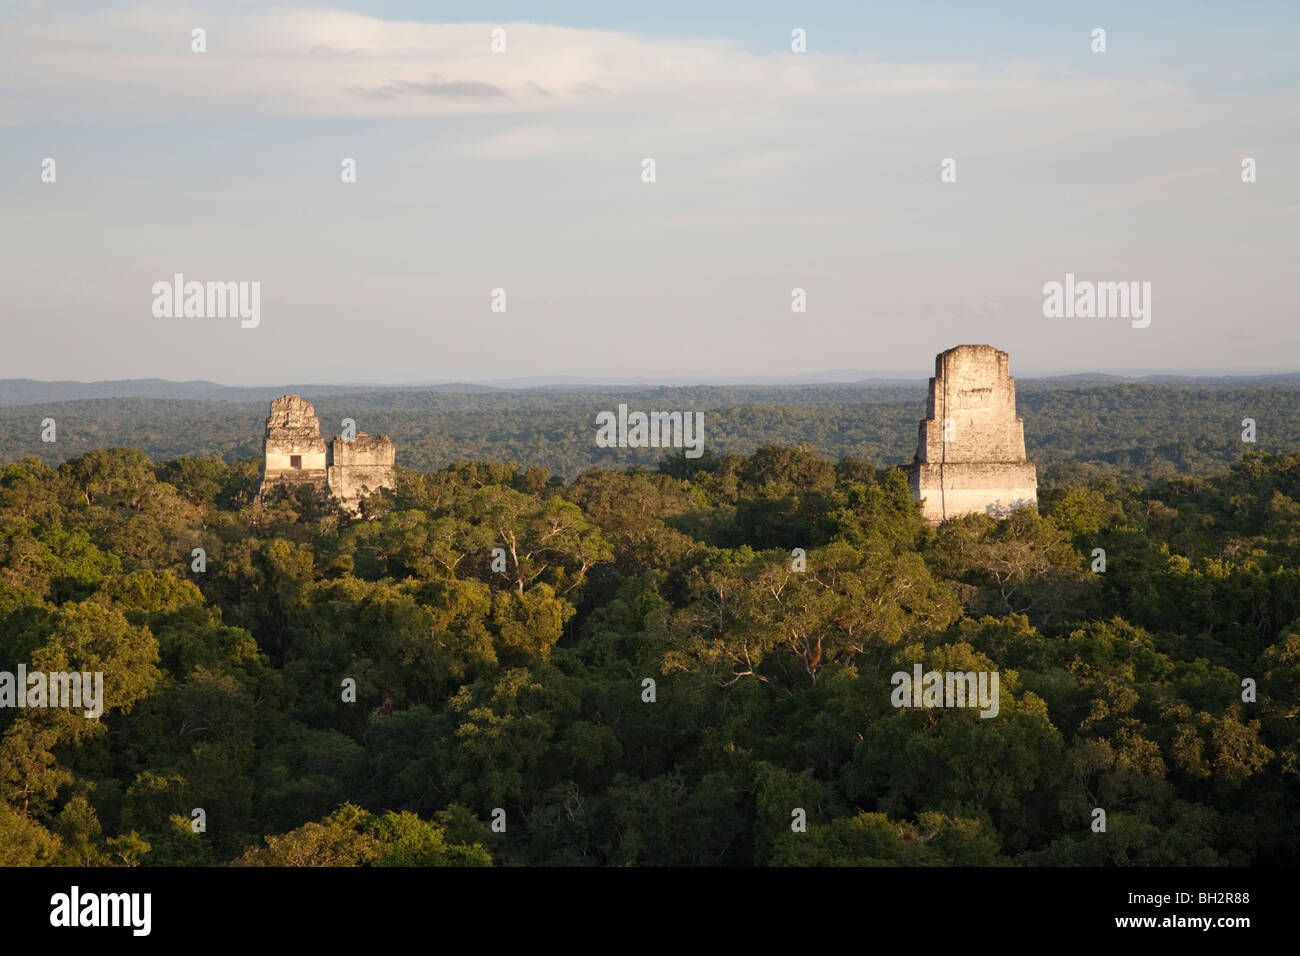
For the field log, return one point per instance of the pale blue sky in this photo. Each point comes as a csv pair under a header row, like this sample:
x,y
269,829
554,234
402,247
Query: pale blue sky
x,y
522,170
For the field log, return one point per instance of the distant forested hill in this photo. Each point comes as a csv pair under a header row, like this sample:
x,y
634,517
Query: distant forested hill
x,y
26,391
1141,431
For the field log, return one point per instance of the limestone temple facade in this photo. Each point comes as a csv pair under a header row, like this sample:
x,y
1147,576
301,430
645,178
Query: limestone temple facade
x,y
970,454
294,453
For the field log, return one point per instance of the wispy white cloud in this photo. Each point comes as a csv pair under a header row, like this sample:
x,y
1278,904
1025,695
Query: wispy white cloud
x,y
818,170
331,63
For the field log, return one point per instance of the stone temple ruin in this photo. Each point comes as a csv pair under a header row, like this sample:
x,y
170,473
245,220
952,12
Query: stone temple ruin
x,y
970,450
345,470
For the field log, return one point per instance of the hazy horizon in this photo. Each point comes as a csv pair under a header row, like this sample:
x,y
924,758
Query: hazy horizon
x,y
829,377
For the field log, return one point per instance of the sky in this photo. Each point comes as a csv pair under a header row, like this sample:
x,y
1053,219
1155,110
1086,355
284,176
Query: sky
x,y
522,170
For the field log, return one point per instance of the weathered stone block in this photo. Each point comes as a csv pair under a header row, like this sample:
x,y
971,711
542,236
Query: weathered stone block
x,y
293,449
360,467
295,453
970,454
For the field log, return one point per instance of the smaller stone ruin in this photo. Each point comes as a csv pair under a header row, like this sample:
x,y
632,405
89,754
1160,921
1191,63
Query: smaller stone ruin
x,y
295,454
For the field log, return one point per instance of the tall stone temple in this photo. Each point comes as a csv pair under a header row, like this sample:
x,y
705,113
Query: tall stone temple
x,y
970,450
347,471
